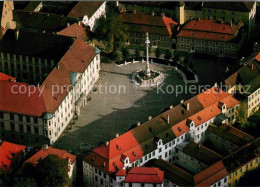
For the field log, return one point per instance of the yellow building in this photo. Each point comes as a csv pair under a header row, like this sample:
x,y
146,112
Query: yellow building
x,y
241,161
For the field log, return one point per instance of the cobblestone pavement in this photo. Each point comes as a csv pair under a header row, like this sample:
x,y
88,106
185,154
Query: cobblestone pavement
x,y
109,113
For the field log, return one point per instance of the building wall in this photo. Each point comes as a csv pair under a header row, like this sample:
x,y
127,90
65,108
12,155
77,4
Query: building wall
x,y
7,15
234,177
25,68
208,46
157,40
92,21
248,18
192,14
23,128
253,102
140,185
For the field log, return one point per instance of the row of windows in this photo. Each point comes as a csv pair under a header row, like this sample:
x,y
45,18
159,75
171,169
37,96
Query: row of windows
x,y
18,117
29,128
216,43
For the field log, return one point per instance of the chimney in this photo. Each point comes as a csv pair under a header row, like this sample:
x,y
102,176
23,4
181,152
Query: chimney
x,y
79,22
162,14
199,19
252,67
171,106
216,85
150,117
117,134
138,124
231,23
152,13
134,11
188,106
58,67
107,143
68,24
168,119
16,34
182,101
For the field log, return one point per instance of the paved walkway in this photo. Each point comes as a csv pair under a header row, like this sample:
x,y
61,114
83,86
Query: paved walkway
x,y
107,113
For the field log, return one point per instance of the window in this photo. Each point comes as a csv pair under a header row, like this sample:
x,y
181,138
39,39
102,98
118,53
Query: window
x,y
1,115
219,183
225,180
11,116
36,130
21,128
12,127
160,150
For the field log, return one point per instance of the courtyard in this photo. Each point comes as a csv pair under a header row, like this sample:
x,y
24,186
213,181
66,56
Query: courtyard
x,y
118,104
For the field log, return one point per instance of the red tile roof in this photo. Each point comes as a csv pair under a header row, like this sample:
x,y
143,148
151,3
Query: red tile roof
x,y
141,140
258,57
148,23
76,59
8,155
144,175
121,172
4,77
23,102
209,30
211,175
75,30
43,153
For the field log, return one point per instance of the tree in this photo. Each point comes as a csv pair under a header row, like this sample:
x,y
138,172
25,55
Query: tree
x,y
52,171
158,52
168,54
137,53
241,114
125,53
111,31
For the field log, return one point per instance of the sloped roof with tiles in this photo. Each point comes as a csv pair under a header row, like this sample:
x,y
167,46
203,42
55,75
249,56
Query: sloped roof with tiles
x,y
141,22
238,6
8,155
76,59
231,134
75,30
144,175
43,153
242,156
83,8
210,30
28,102
249,74
167,126
4,77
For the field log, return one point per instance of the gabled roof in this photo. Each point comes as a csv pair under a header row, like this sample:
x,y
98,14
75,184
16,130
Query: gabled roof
x,y
172,172
249,74
83,8
210,30
4,77
42,45
231,134
141,22
76,59
211,175
75,30
43,153
201,153
242,156
8,155
29,102
143,139
238,6
144,175
41,21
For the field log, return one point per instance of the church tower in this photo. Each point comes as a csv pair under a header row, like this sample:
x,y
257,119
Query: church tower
x,y
180,12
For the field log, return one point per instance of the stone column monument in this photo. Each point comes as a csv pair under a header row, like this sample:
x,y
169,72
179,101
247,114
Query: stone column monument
x,y
147,42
